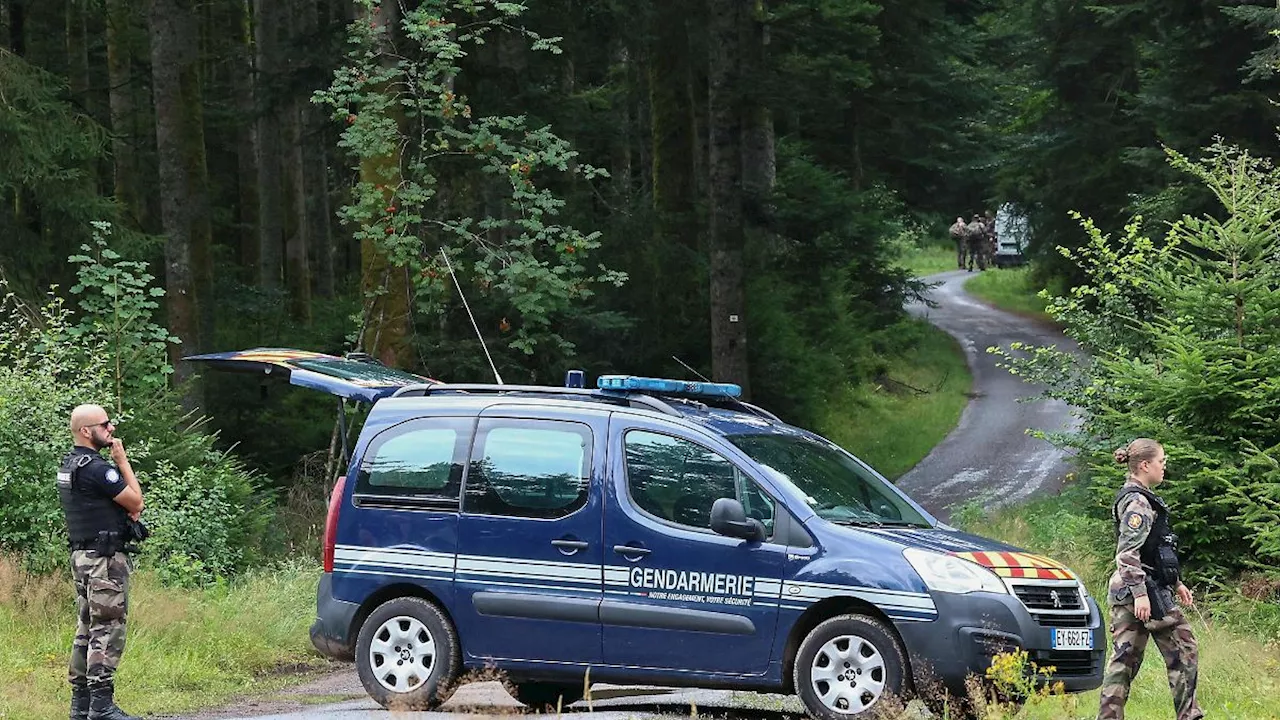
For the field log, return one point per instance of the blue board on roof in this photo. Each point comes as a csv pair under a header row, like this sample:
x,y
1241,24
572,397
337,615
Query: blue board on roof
x,y
632,383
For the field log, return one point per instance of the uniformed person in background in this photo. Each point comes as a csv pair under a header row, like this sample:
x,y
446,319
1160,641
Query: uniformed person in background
x,y
957,232
975,240
1141,592
990,244
99,499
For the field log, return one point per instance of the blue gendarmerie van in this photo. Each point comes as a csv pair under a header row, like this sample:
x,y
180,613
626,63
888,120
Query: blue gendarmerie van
x,y
655,532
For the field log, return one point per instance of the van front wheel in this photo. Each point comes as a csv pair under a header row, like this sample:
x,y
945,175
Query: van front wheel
x,y
407,655
846,665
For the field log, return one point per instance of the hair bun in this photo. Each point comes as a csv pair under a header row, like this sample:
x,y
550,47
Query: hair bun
x,y
1121,455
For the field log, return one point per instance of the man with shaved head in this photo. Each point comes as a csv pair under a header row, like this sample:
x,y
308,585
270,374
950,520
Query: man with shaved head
x,y
99,498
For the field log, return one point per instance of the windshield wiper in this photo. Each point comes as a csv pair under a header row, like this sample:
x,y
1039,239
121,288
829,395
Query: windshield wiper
x,y
878,523
904,523
855,522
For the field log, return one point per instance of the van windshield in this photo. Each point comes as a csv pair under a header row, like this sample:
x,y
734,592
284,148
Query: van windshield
x,y
836,486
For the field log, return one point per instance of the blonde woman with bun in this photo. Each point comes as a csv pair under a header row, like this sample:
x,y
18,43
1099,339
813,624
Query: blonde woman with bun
x,y
1143,586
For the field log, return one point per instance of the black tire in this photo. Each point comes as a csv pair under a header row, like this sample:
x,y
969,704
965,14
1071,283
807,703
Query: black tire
x,y
544,696
883,671
433,664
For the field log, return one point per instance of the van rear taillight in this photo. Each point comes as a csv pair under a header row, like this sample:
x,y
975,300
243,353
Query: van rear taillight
x,y
331,523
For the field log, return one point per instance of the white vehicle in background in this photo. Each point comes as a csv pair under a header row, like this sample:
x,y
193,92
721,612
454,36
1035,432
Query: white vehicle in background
x,y
1013,235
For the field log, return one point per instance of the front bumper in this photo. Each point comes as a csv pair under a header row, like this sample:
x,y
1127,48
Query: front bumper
x,y
331,632
972,628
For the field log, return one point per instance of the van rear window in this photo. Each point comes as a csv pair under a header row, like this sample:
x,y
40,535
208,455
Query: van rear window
x,y
420,459
529,468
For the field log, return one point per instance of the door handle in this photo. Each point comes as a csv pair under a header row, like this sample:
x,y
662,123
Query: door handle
x,y
571,544
631,550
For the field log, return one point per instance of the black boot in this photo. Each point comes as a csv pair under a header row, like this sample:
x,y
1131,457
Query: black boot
x,y
102,704
79,701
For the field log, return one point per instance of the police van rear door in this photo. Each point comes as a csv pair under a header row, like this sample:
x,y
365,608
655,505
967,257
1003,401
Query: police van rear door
x,y
529,581
358,378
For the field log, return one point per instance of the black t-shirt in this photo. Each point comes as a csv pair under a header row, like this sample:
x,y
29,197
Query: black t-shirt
x,y
99,476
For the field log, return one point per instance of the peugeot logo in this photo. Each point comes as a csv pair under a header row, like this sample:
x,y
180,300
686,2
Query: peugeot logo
x,y
1057,599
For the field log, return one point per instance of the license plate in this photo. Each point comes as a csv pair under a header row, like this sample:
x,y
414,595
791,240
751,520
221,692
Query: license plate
x,y
1072,639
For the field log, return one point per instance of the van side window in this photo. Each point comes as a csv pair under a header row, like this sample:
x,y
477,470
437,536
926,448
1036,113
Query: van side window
x,y
678,481
420,459
529,468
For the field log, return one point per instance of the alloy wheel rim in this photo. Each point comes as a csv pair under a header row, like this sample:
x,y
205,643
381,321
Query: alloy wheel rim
x,y
848,674
402,654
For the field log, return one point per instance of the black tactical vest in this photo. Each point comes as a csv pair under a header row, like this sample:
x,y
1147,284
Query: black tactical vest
x,y
87,512
1160,550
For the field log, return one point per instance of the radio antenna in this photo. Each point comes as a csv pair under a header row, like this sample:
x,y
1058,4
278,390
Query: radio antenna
x,y
474,326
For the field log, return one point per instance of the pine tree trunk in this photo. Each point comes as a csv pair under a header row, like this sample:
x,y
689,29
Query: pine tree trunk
x,y
246,137
315,172
184,198
297,267
78,82
17,27
78,55
675,253
671,113
759,162
120,98
266,27
385,286
728,307
620,147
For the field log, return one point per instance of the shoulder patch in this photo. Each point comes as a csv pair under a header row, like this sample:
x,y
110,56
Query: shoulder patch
x,y
1133,520
113,477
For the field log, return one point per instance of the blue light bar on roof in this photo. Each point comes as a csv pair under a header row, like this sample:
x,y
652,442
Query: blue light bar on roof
x,y
632,383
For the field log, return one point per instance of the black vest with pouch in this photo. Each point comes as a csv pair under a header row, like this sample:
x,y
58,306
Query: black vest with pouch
x,y
88,513
1159,552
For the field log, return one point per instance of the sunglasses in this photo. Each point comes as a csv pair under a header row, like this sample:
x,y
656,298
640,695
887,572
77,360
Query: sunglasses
x,y
102,424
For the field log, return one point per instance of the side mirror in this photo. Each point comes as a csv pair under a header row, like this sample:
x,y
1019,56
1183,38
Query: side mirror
x,y
729,519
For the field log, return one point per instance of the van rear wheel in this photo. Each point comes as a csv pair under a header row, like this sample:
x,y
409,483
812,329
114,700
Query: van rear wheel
x,y
544,696
846,665
407,655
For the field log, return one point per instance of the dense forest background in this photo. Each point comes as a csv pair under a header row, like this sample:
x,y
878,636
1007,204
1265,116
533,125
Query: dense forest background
x,y
617,183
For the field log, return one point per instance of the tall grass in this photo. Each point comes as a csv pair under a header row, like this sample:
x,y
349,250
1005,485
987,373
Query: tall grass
x,y
186,648
894,422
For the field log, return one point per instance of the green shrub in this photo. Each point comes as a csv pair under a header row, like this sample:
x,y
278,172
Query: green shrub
x,y
1183,343
209,517
41,379
206,521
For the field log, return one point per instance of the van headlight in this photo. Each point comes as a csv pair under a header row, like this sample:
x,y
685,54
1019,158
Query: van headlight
x,y
948,573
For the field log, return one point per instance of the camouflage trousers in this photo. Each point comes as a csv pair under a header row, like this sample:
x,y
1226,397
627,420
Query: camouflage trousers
x,y
976,255
102,596
1178,647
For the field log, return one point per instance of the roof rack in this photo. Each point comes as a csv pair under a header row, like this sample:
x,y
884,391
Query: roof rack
x,y
630,399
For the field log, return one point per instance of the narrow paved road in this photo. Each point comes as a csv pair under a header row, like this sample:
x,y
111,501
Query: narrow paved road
x,y
988,458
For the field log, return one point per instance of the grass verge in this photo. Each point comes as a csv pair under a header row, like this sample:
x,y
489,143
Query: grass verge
x,y
928,260
186,648
1238,638
893,423
1011,289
